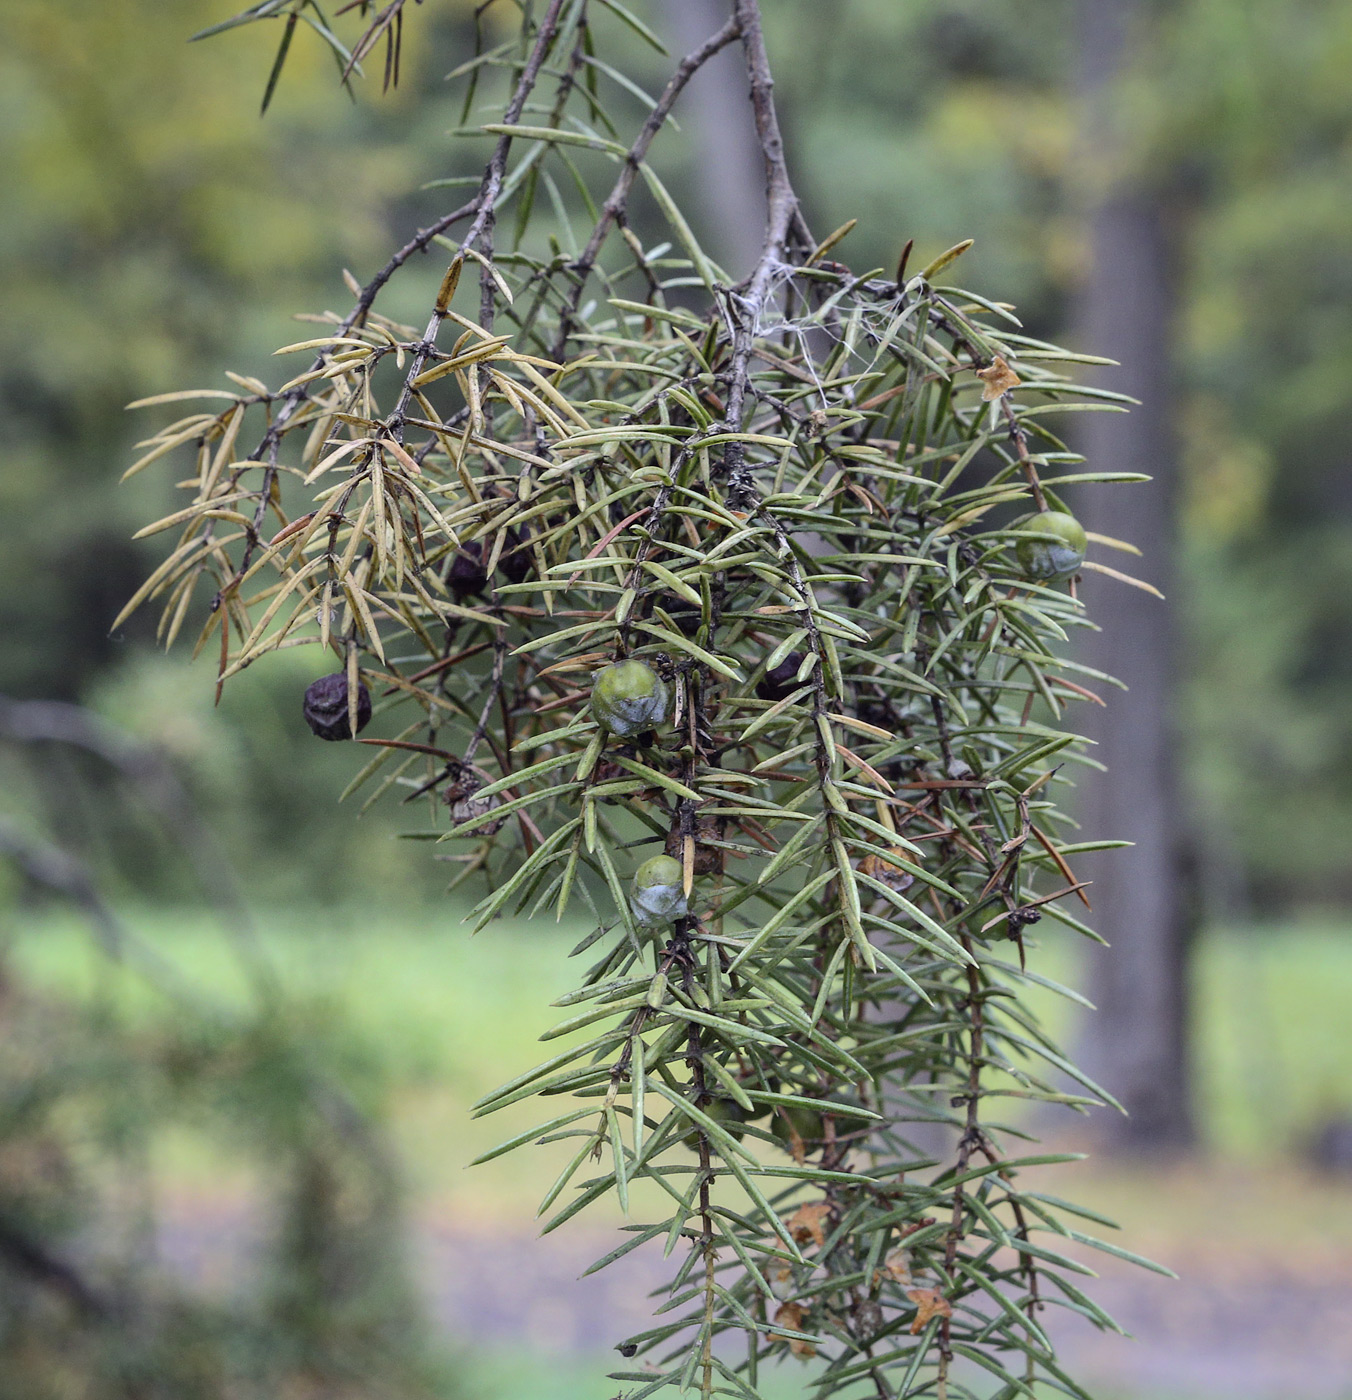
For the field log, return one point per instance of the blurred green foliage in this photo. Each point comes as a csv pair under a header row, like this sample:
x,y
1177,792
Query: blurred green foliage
x,y
1241,116
91,1090
157,230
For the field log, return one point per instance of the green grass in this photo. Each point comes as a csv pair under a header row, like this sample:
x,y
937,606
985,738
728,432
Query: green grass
x,y
420,1019
502,1376
417,1009
1275,1058
1271,1056
412,1013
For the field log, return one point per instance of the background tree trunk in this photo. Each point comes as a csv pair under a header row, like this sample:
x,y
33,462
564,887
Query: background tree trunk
x,y
727,170
1137,1043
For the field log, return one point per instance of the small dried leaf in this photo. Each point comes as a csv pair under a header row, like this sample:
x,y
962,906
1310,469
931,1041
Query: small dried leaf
x,y
808,1222
998,379
293,528
897,1267
830,241
929,1302
942,261
893,876
790,1315
1122,578
449,283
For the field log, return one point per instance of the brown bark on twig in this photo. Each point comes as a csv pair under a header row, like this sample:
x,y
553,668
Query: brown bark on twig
x,y
784,221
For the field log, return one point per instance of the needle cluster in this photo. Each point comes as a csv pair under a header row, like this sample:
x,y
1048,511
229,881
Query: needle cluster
x,y
793,508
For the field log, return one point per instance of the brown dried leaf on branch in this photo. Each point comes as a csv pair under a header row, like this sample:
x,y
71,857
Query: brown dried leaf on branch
x,y
808,1222
929,1302
790,1315
998,379
897,1267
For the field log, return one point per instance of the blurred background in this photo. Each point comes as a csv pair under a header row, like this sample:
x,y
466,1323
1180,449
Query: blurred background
x,y
240,1024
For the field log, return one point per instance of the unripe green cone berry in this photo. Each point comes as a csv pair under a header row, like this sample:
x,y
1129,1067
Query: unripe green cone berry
x,y
793,1118
628,698
658,890
727,1113
810,1123
1051,546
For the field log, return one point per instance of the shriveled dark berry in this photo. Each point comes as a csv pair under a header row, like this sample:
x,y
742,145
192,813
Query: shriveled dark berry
x,y
782,680
516,562
687,616
708,858
326,707
462,797
875,712
466,576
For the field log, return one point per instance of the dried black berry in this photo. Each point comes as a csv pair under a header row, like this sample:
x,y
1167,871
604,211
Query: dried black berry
x,y
782,680
708,857
461,797
516,562
877,713
326,707
687,616
466,576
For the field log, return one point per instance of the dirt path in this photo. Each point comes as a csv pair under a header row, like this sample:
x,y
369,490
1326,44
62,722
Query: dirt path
x,y
1247,1333
1243,1326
